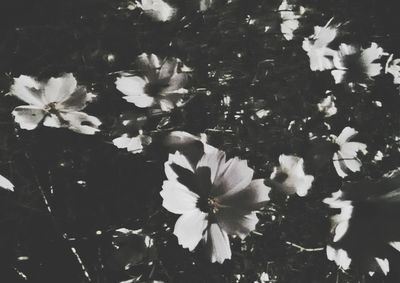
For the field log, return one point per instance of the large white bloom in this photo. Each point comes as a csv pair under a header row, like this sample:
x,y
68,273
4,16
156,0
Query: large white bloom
x,y
345,158
290,176
6,184
316,46
57,102
214,197
357,65
162,83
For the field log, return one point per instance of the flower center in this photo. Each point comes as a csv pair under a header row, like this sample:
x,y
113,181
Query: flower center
x,y
154,89
51,108
208,205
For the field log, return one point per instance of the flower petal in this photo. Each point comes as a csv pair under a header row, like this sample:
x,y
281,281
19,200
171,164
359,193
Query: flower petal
x,y
81,122
6,184
28,90
213,159
217,243
28,117
189,228
133,89
77,100
338,163
177,198
59,89
236,221
347,134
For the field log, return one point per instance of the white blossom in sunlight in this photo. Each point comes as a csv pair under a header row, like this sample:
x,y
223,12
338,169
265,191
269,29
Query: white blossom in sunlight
x,y
57,102
214,197
133,144
357,65
327,106
162,83
157,9
393,68
345,158
316,46
290,19
6,184
290,176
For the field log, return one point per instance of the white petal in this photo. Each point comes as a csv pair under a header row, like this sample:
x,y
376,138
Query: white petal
x,y
395,245
213,159
27,89
28,117
158,9
122,141
81,122
189,228
338,75
131,85
338,165
383,264
340,230
346,134
236,222
52,121
59,89
6,184
340,257
178,159
177,198
217,242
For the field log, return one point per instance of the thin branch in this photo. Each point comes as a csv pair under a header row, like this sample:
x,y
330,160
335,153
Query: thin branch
x,y
303,249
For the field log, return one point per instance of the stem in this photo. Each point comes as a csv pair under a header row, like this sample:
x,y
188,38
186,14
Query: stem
x,y
303,249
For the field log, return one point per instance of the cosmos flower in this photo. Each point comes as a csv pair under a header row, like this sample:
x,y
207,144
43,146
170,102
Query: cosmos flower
x,y
289,17
214,197
316,46
345,158
6,184
157,9
162,83
365,229
57,102
133,144
327,106
290,177
393,68
356,65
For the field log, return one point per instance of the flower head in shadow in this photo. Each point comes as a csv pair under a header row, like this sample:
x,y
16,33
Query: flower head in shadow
x,y
161,85
57,102
214,197
365,230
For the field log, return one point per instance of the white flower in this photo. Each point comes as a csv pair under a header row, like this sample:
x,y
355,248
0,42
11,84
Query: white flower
x,y
393,68
57,103
290,21
290,176
357,65
339,256
157,9
162,83
205,4
214,197
6,184
327,106
346,156
132,144
316,46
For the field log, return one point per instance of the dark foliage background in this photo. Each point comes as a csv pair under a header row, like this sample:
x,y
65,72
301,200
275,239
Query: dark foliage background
x,y
94,188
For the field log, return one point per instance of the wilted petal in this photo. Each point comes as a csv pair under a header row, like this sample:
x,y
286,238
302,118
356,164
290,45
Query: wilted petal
x,y
28,90
346,134
340,257
236,221
234,176
81,122
77,100
177,198
58,89
217,243
189,228
338,76
6,184
28,117
383,264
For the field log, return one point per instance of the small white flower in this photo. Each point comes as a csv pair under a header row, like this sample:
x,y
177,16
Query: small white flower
x,y
316,46
132,144
339,256
57,103
291,177
357,65
289,17
157,9
346,156
214,197
327,106
6,184
162,83
393,68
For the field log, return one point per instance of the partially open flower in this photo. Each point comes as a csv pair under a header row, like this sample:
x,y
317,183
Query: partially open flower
x,y
316,46
290,18
214,197
289,177
157,9
57,103
6,184
366,227
327,106
162,83
357,65
345,158
393,68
